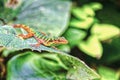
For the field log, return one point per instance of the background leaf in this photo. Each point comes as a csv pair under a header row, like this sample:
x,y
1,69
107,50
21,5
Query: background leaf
x,y
79,13
46,66
107,73
96,6
88,10
74,36
85,15
105,31
84,24
92,47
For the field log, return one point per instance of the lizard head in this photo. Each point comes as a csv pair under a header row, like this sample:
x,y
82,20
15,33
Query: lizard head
x,y
60,40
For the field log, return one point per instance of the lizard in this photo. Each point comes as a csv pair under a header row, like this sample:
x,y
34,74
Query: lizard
x,y
40,37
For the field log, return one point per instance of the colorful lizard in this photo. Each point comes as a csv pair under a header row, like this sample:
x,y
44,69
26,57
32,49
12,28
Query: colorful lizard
x,y
41,38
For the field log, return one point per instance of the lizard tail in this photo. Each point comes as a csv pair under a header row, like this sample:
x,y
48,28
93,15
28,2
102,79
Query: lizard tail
x,y
26,28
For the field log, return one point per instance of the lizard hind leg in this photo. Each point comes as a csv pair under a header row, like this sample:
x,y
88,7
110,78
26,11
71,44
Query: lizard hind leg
x,y
39,42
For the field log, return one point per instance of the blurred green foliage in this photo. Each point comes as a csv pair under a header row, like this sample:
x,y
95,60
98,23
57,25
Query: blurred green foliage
x,y
85,24
107,73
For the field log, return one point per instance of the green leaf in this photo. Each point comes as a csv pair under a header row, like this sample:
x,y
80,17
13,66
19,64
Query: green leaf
x,y
49,16
66,48
79,13
95,6
105,31
84,24
88,10
48,67
91,47
10,40
107,73
74,36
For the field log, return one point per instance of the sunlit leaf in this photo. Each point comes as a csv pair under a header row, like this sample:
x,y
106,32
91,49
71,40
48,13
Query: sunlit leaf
x,y
9,39
105,31
91,47
111,54
88,10
49,16
107,73
79,13
48,66
74,36
84,24
96,6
